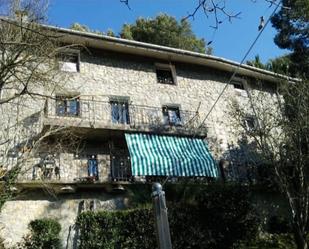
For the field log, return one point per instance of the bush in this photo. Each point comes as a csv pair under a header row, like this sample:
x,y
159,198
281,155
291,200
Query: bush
x,y
44,234
220,217
278,224
120,229
269,241
227,213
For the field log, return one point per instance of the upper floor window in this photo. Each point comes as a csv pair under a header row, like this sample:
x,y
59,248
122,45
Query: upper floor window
x,y
120,111
250,123
69,61
240,87
166,74
67,106
171,115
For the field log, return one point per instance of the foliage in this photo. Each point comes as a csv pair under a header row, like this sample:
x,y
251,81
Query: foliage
x,y
84,28
164,30
281,138
44,234
269,241
278,65
278,224
220,217
292,24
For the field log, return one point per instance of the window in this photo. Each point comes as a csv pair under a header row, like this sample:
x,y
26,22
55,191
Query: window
x,y
238,85
120,111
69,62
92,166
67,106
250,123
166,74
171,115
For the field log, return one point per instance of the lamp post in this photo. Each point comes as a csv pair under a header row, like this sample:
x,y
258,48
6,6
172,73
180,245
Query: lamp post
x,y
162,225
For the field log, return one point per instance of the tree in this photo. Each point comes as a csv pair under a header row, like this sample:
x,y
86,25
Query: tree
x,y
29,75
84,28
292,24
165,30
279,65
281,138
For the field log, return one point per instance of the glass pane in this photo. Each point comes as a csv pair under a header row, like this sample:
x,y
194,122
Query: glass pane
x,y
73,107
60,107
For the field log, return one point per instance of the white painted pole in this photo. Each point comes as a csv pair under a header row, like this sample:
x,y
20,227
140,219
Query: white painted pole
x,y
162,225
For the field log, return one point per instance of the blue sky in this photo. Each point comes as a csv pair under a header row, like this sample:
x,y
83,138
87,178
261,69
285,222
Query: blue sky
x,y
230,41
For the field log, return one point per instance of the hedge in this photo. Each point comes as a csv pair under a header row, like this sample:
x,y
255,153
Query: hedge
x,y
218,219
44,234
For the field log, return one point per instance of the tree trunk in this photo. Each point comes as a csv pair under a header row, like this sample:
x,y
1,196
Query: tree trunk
x,y
300,239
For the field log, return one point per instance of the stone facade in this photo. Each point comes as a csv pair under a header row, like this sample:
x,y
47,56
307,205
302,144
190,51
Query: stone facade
x,y
104,76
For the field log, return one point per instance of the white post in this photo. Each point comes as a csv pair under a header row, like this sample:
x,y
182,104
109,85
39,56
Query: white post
x,y
162,225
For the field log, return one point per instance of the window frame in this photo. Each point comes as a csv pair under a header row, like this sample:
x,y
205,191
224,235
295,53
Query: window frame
x,y
124,101
166,67
166,117
250,118
242,90
69,52
66,105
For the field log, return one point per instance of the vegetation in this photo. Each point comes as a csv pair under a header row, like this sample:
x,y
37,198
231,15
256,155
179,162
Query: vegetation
x,y
164,30
44,234
281,138
218,218
292,24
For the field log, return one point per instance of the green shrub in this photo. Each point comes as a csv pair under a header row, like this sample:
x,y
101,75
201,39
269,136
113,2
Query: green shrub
x,y
269,241
44,234
219,218
278,224
227,214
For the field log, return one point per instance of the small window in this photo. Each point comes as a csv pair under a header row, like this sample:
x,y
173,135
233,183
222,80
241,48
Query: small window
x,y
92,166
67,106
250,123
69,62
166,74
238,85
171,115
120,112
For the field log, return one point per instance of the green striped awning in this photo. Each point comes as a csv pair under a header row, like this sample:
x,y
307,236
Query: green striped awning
x,y
169,156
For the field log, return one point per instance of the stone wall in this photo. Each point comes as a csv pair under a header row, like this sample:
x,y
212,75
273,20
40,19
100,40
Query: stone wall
x,y
17,214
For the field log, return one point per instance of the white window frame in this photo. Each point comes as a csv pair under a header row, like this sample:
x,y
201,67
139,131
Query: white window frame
x,y
240,81
66,66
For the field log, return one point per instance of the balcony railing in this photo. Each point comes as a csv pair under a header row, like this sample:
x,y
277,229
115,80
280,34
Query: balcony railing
x,y
104,114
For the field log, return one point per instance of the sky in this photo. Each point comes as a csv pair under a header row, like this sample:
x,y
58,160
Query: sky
x,y
231,40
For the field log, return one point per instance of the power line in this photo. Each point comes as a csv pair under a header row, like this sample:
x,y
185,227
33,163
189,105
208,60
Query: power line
x,y
239,65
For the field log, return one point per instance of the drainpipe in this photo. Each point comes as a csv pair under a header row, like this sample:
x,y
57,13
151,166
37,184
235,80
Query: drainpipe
x,y
160,209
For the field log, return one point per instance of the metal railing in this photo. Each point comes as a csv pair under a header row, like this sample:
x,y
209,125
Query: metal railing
x,y
133,116
121,168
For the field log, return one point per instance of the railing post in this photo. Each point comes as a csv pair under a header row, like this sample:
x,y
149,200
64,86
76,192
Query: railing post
x,y
160,209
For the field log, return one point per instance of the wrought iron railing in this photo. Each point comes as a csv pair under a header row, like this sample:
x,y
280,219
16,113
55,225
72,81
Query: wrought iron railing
x,y
133,116
121,168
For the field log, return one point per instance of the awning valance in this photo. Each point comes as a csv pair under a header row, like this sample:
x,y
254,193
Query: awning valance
x,y
169,156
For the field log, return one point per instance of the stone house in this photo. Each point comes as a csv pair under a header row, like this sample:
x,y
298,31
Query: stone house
x,y
140,111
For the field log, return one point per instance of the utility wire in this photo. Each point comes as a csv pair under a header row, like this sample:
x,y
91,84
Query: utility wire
x,y
239,65
235,71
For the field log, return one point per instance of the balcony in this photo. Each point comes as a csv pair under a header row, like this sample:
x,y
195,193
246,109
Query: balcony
x,y
91,113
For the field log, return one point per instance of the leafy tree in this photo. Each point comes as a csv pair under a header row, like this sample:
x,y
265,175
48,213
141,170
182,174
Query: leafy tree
x,y
278,65
256,63
165,30
292,24
84,28
281,136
